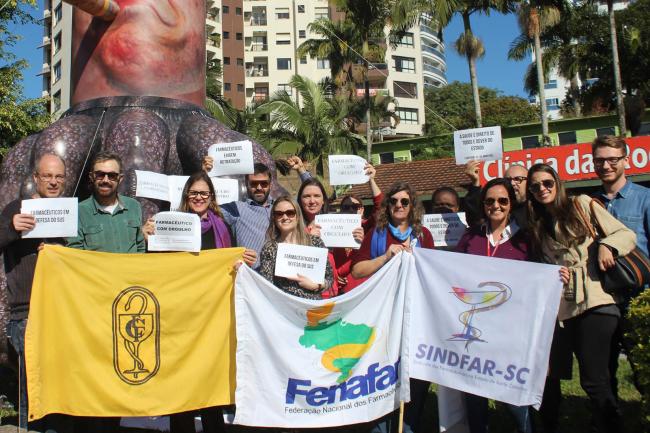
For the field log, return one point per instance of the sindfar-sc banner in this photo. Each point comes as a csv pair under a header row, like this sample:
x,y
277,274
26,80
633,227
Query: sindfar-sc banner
x,y
482,325
304,363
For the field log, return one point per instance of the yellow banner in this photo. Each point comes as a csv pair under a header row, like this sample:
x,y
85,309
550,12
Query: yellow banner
x,y
130,334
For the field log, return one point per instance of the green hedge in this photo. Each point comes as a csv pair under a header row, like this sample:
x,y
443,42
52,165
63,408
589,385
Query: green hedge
x,y
639,334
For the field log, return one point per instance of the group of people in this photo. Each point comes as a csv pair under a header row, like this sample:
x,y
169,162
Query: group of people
x,y
527,215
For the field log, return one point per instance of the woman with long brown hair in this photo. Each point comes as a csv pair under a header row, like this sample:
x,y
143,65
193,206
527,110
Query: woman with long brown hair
x,y
559,233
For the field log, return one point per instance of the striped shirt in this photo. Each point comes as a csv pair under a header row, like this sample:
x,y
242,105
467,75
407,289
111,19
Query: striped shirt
x,y
248,221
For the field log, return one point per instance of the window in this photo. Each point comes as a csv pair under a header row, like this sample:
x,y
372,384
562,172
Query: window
x,y
530,142
404,64
226,35
551,84
226,9
610,130
323,63
226,60
284,64
226,87
406,40
302,34
322,13
553,103
58,13
240,61
386,158
282,38
568,137
57,72
56,101
286,88
408,116
238,36
238,11
240,87
301,9
403,89
303,60
282,13
57,43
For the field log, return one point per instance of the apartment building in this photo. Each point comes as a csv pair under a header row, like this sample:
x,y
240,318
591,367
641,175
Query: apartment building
x,y
256,41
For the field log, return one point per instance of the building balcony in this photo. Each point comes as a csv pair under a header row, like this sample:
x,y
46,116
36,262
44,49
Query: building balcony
x,y
45,94
432,70
434,51
257,21
260,97
257,71
45,70
47,14
258,47
46,42
373,92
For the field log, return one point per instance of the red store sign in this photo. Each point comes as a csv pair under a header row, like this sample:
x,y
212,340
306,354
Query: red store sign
x,y
572,162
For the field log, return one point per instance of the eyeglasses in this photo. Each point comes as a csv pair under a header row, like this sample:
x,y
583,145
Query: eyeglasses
x,y
202,194
503,201
537,186
611,161
59,178
404,201
352,207
290,213
515,179
259,184
100,175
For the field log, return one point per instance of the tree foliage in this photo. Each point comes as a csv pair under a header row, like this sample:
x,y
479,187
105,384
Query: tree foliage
x,y
455,104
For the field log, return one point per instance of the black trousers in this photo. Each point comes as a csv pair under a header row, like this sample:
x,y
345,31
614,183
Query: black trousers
x,y
211,418
590,336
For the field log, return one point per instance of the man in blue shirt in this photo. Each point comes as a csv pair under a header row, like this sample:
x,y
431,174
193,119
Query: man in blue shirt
x,y
628,202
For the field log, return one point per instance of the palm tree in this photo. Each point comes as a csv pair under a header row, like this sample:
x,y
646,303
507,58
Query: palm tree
x,y
535,17
472,48
313,129
616,64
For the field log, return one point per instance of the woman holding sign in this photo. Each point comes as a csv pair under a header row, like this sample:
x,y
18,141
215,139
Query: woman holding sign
x,y
498,236
287,227
560,229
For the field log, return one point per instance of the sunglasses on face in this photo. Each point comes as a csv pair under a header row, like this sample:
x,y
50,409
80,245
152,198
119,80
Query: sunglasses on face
x,y
202,194
503,201
100,175
536,187
290,213
405,202
515,179
259,184
611,161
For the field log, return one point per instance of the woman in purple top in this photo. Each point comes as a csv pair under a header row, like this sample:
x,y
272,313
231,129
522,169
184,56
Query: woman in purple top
x,y
498,236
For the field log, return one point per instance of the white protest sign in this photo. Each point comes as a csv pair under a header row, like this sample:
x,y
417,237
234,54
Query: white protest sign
x,y
176,231
55,217
336,229
446,228
231,158
483,144
347,170
176,185
227,189
151,185
307,261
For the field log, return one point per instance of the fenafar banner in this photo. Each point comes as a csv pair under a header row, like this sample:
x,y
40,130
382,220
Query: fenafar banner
x,y
482,325
572,162
130,334
303,363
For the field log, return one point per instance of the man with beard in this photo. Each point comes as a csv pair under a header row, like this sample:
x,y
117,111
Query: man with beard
x,y
20,262
249,219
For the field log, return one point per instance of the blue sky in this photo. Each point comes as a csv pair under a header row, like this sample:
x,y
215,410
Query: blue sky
x,y
494,70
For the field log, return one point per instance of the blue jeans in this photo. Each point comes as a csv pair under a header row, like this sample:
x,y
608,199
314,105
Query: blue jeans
x,y
16,335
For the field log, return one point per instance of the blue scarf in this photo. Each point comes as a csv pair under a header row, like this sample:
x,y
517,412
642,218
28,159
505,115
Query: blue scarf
x,y
379,239
397,234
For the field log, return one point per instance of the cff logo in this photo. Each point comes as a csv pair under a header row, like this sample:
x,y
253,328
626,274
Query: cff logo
x,y
487,296
136,335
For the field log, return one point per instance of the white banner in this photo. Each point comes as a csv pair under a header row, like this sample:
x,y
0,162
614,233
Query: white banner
x,y
336,229
446,228
483,144
309,262
55,217
231,158
347,170
176,231
227,190
483,325
160,187
304,363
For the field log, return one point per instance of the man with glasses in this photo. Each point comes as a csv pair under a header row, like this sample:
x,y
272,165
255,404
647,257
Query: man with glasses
x,y
630,203
20,262
109,221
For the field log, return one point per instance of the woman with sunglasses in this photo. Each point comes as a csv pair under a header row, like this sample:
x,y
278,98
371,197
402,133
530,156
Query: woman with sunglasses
x,y
588,315
497,236
287,226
